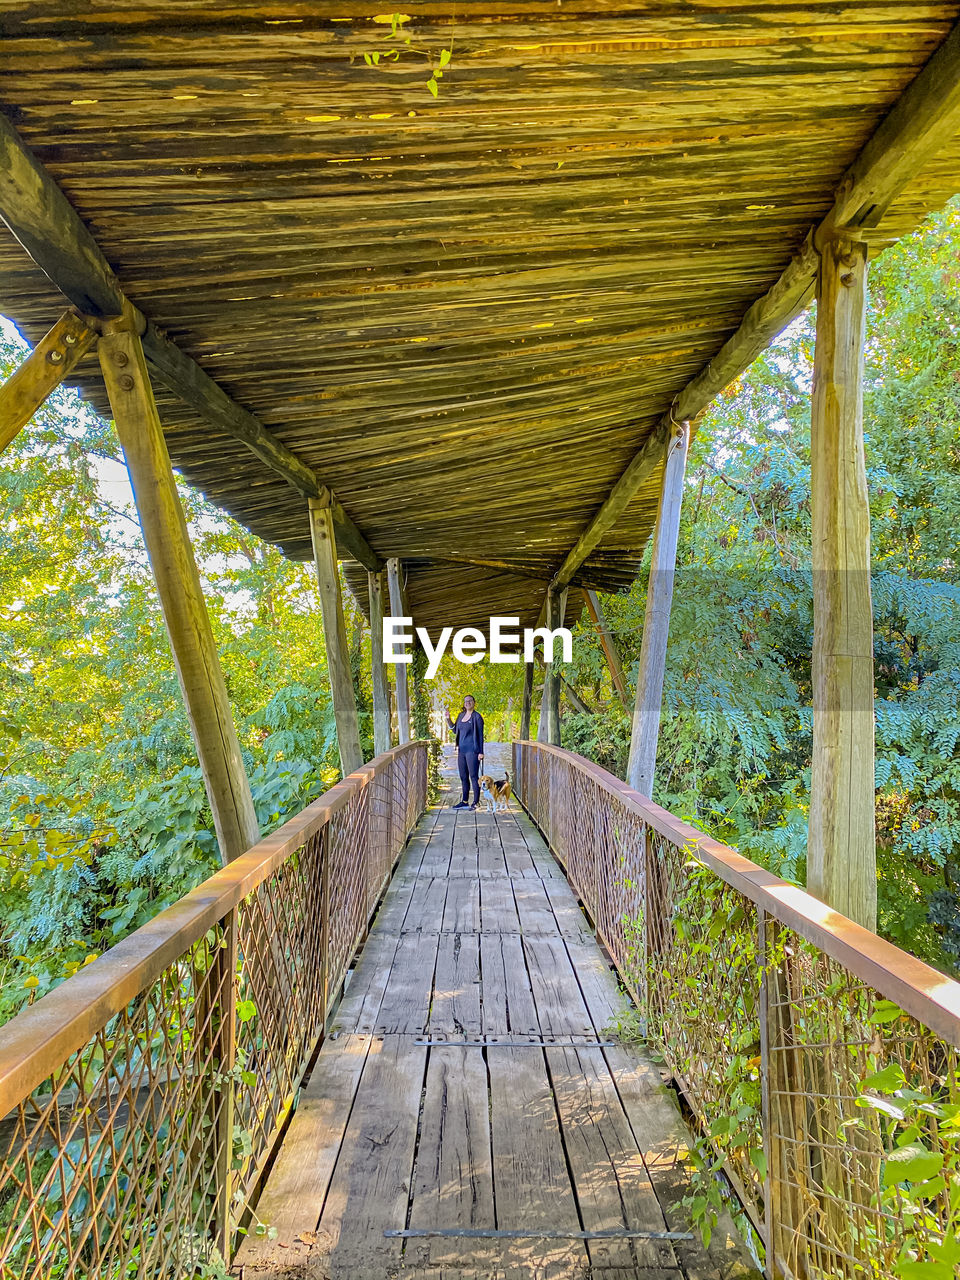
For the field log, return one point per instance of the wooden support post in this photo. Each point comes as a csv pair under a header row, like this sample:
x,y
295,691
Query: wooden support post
x,y
612,653
335,636
381,685
556,604
526,706
656,623
841,851
542,715
178,586
54,357
400,670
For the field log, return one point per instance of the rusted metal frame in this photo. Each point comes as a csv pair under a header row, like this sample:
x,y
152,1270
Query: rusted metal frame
x,y
325,923
50,362
39,1039
653,899
225,1051
782,1211
918,989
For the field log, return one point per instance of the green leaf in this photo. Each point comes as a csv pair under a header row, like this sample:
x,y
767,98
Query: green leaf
x,y
885,1011
912,1163
759,1161
432,86
249,1078
888,1080
883,1105
445,55
927,1270
246,1010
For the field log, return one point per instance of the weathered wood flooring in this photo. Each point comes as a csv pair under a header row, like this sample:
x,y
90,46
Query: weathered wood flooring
x,y
470,1082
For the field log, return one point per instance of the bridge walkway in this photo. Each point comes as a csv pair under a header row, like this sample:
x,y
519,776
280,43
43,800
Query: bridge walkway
x,y
472,1081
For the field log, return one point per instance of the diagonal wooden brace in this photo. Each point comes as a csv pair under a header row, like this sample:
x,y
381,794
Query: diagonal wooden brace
x,y
52,360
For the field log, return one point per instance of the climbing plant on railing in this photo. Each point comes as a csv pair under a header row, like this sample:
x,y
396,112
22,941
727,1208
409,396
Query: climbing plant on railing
x,y
881,1184
920,1181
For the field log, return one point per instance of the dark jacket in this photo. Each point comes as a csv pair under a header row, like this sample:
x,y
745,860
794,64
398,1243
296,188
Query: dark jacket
x,y
469,735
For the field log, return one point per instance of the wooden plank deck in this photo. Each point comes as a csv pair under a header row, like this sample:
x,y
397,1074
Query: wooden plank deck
x,y
468,1082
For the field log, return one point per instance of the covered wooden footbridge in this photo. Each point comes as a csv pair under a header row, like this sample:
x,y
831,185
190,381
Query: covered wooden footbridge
x,y
458,340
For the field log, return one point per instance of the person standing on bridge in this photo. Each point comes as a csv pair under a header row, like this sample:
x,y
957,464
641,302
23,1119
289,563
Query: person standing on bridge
x,y
468,735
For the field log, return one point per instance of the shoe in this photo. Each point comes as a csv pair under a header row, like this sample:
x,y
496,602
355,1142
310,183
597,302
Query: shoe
x,y
460,805
472,808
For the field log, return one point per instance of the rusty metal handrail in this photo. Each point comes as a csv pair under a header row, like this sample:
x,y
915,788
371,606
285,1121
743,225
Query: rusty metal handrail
x,y
930,996
783,1023
40,1037
174,1059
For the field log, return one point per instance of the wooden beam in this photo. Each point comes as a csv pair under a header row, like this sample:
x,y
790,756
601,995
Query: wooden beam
x,y
922,120
46,224
642,465
611,652
335,637
381,684
397,609
501,566
656,624
178,586
51,231
52,360
841,851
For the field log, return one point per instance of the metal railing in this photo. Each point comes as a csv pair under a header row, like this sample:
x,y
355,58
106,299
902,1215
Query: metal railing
x,y
142,1098
822,1063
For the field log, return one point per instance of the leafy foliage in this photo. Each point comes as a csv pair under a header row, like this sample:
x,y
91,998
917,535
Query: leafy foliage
x,y
105,818
736,731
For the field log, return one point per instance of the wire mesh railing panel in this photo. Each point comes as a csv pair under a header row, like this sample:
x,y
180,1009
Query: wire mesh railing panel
x,y
348,915
143,1098
822,1064
280,1002
577,822
864,1113
619,906
703,1003
111,1162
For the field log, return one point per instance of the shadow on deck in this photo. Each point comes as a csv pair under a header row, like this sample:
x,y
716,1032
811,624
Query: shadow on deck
x,y
470,1084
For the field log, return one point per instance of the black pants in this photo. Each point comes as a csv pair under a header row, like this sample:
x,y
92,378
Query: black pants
x,y
468,762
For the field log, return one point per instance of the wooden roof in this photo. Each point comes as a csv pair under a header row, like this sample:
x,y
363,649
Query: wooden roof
x,y
465,315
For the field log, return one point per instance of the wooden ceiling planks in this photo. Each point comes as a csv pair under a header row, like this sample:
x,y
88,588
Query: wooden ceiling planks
x,y
464,314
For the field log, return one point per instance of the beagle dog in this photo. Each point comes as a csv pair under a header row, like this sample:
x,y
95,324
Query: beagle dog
x,y
494,795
